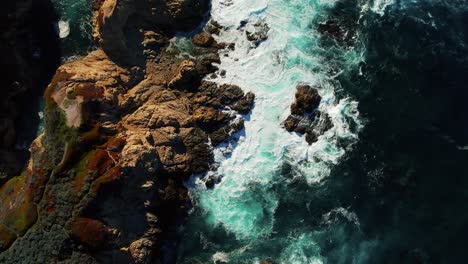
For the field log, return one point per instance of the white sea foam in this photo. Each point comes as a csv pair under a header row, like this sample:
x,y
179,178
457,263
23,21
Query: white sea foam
x,y
379,6
244,202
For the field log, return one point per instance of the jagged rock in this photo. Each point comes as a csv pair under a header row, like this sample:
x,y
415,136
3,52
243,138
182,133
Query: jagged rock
x,y
307,99
209,116
305,117
116,20
211,180
142,251
121,136
258,33
245,104
153,40
220,135
213,27
186,76
203,39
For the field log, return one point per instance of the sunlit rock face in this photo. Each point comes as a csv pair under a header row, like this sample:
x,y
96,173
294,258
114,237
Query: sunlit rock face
x,y
125,125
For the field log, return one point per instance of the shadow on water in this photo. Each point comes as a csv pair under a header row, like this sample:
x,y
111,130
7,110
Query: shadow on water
x,y
32,54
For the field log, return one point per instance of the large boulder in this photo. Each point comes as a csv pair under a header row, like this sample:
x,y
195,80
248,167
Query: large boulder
x,y
305,117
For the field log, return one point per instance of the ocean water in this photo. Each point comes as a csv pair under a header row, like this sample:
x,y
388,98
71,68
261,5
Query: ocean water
x,y
74,26
386,183
265,206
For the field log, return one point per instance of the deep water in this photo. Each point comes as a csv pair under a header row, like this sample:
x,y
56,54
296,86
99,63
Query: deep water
x,y
76,26
395,194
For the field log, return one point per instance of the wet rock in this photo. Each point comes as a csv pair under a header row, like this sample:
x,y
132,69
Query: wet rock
x,y
242,24
245,105
212,180
213,27
203,39
307,99
258,33
223,133
291,123
305,118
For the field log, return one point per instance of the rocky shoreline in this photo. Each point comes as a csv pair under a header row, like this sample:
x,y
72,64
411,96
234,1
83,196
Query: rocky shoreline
x,y
125,126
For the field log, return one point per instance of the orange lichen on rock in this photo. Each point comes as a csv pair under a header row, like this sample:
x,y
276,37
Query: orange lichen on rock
x,y
59,77
97,162
7,236
110,176
17,211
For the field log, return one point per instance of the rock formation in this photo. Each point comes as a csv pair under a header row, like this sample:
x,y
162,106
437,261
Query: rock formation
x,y
305,117
125,126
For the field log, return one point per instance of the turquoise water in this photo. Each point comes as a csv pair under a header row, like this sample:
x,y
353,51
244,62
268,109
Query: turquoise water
x,y
244,219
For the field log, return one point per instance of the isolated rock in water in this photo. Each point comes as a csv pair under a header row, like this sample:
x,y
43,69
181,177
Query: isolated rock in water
x,y
305,117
